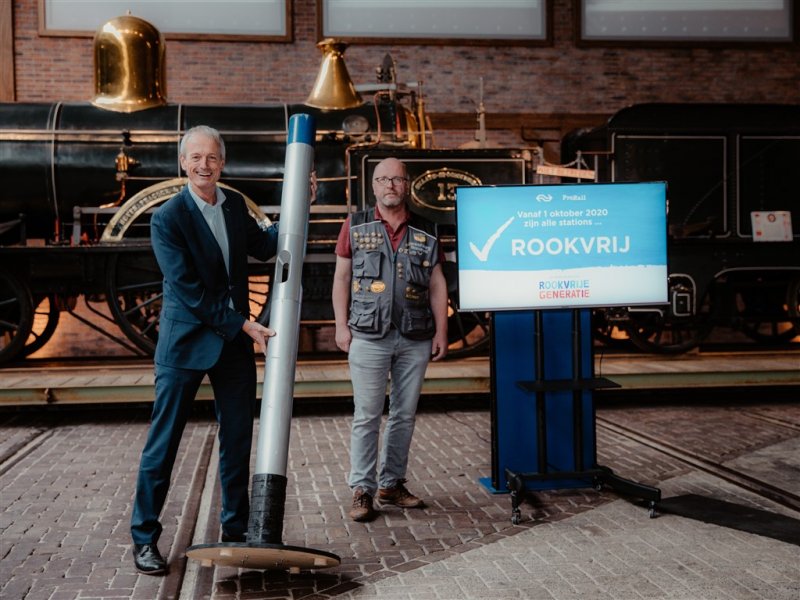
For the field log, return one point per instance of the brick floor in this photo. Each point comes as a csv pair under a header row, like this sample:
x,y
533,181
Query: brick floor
x,y
67,477
613,552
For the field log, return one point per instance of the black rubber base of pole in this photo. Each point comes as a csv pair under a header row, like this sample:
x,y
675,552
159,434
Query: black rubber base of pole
x,y
267,504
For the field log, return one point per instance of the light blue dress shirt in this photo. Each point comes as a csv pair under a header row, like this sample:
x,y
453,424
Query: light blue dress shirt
x,y
216,222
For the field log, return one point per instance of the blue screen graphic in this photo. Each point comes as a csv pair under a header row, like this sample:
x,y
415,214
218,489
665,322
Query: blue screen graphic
x,y
557,246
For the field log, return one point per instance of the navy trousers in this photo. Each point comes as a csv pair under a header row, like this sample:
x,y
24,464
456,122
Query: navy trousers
x,y
233,379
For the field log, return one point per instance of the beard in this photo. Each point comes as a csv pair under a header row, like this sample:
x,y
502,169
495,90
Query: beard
x,y
392,200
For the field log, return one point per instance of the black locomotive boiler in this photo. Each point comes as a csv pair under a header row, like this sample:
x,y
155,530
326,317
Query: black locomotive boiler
x,y
727,167
81,179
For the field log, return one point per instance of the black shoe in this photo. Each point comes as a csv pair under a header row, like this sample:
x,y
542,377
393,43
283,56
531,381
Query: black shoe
x,y
148,559
233,538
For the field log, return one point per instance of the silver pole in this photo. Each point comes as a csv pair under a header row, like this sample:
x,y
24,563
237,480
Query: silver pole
x,y
286,295
268,494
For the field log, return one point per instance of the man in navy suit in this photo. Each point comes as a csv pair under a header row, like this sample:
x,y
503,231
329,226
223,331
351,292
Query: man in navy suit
x,y
201,238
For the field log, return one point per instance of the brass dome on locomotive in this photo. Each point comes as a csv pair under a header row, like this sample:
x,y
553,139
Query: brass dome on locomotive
x,y
129,65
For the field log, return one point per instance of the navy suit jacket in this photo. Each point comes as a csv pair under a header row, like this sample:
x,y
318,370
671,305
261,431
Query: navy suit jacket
x,y
196,317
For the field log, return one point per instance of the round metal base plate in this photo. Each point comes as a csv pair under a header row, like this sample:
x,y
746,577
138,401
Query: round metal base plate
x,y
262,556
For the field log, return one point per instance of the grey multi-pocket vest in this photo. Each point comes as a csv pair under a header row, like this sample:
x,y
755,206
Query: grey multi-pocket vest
x,y
391,288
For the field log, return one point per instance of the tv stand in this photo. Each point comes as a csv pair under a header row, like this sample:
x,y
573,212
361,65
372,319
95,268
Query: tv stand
x,y
593,475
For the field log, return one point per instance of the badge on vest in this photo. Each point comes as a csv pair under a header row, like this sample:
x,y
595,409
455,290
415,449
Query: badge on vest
x,y
412,294
377,287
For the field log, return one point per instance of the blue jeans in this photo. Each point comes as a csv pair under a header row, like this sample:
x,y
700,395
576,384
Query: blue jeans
x,y
371,362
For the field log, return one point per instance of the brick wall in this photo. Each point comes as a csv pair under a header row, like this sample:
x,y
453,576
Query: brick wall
x,y
528,82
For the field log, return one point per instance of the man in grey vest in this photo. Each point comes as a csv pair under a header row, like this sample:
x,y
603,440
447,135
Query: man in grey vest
x,y
390,305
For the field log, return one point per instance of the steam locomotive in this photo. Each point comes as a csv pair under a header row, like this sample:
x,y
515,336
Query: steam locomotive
x,y
733,216
81,180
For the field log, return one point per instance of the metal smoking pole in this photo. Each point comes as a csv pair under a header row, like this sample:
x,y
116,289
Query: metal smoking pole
x,y
264,548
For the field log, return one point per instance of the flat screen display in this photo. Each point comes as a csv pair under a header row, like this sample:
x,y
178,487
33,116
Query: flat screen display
x,y
561,246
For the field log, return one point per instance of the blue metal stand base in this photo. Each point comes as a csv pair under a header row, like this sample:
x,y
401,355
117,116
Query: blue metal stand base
x,y
487,483
543,421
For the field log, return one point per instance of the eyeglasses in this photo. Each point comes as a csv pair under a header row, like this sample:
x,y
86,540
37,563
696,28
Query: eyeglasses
x,y
393,180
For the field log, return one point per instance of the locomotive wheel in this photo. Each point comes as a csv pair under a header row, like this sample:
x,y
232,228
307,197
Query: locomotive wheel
x,y
610,332
134,292
45,321
467,332
662,333
16,316
793,302
767,311
770,332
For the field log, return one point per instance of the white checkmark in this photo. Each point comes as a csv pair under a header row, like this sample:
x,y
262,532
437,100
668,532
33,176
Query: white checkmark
x,y
483,254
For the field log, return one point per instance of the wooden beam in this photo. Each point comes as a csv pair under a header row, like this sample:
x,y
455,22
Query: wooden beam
x,y
7,52
559,171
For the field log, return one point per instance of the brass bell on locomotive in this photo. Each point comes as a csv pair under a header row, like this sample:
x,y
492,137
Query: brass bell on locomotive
x,y
333,88
129,65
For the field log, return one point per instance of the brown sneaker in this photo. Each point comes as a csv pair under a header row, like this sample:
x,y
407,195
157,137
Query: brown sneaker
x,y
399,496
362,506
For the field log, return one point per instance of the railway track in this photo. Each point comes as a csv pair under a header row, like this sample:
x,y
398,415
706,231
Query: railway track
x,y
119,382
696,460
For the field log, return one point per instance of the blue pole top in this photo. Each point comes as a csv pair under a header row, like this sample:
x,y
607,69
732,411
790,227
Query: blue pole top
x,y
302,129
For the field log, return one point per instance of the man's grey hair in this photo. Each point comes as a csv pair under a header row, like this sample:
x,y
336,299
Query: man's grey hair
x,y
206,131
